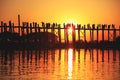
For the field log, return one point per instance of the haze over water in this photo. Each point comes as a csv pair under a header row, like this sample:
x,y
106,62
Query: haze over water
x,y
60,64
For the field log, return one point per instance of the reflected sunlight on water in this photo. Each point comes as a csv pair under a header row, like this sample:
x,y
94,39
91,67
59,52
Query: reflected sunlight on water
x,y
70,57
83,64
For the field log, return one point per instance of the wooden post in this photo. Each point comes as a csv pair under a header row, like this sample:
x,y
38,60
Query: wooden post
x,y
90,34
114,32
39,32
1,26
88,27
5,27
103,27
53,26
64,32
35,25
97,34
10,26
47,26
98,26
13,27
30,28
43,25
22,28
53,30
108,32
84,33
19,24
93,28
78,26
73,33
27,30
38,28
59,33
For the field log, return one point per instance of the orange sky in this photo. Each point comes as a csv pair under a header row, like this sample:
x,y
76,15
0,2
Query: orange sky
x,y
76,11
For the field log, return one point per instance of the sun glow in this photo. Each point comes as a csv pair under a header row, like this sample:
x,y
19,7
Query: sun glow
x,y
70,30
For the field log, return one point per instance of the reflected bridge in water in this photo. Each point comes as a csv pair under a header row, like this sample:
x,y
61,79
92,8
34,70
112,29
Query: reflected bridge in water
x,y
60,64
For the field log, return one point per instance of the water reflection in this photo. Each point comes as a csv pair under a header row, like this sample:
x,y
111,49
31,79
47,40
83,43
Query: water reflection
x,y
60,64
70,57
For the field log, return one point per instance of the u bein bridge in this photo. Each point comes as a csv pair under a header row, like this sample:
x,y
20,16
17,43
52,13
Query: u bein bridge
x,y
79,31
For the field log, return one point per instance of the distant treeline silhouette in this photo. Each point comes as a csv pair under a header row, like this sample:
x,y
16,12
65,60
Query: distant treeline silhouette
x,y
32,40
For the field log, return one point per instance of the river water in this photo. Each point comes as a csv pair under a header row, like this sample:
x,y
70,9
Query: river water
x,y
60,64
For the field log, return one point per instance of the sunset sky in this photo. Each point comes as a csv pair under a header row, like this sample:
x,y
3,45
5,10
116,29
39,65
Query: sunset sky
x,y
60,11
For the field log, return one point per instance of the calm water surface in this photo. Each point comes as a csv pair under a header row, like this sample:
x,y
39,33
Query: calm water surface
x,y
60,64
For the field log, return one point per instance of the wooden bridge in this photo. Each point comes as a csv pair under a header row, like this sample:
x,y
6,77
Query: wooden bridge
x,y
34,27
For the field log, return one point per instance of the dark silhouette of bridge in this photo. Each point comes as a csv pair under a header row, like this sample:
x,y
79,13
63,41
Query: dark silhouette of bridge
x,y
50,35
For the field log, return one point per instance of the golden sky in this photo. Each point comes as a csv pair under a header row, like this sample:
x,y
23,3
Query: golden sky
x,y
60,11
